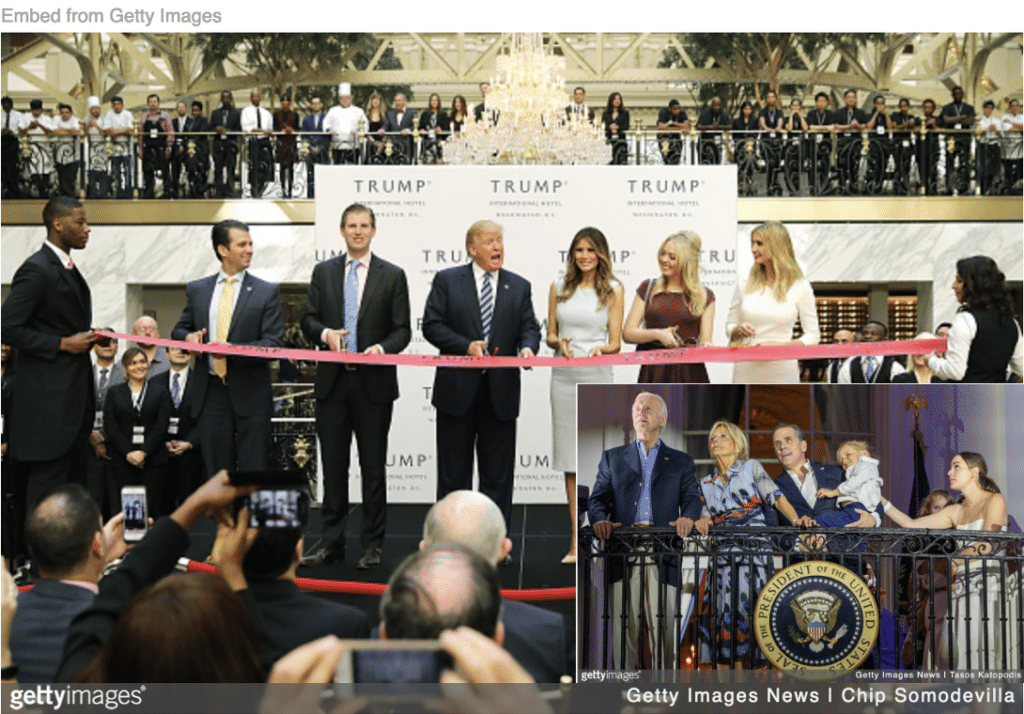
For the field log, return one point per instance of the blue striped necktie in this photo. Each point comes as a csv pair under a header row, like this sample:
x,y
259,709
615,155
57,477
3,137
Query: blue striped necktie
x,y
352,305
486,305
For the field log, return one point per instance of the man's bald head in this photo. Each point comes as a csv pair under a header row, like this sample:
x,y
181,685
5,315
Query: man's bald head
x,y
145,326
471,519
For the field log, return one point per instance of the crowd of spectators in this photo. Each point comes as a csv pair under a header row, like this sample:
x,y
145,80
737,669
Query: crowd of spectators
x,y
110,155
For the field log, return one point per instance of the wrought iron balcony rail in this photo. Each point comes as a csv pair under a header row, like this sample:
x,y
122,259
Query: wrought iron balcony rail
x,y
948,599
811,163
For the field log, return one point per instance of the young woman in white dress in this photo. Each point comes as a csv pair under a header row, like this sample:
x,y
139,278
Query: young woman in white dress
x,y
766,306
584,320
983,592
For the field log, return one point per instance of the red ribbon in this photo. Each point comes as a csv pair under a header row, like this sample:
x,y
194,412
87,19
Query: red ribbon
x,y
760,353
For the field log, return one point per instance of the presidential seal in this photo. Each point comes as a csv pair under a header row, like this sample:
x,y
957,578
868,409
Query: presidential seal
x,y
816,619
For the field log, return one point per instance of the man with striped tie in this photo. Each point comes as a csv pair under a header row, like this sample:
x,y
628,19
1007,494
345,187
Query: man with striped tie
x,y
356,302
479,309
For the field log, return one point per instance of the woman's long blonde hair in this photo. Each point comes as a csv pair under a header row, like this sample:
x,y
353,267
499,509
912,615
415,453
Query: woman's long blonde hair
x,y
780,250
369,105
687,245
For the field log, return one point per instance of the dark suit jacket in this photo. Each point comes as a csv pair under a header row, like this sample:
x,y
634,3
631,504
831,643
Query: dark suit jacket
x,y
536,639
309,124
230,120
186,422
41,625
391,122
570,111
53,398
289,618
451,321
827,475
674,492
257,320
119,419
383,320
149,560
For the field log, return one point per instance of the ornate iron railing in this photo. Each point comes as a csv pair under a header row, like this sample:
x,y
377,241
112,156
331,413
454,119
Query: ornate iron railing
x,y
947,599
209,165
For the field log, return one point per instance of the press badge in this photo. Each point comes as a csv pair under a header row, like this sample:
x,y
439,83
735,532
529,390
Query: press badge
x,y
97,423
152,133
138,435
172,425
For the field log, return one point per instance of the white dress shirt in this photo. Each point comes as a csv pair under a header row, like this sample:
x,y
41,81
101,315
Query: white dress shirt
x,y
218,289
119,120
343,121
958,346
362,270
266,121
844,371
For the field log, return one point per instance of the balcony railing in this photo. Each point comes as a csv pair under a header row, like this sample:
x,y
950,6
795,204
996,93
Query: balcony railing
x,y
208,165
948,599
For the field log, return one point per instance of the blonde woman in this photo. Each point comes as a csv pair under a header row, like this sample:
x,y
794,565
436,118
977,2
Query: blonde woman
x,y
584,320
918,371
767,305
376,111
673,310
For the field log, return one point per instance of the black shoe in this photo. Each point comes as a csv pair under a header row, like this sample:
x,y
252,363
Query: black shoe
x,y
325,556
370,559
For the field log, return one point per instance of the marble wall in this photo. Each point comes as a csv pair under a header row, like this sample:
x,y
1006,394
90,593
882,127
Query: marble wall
x,y
118,258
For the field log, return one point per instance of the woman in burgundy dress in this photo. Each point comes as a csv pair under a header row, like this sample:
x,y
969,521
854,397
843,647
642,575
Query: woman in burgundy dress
x,y
286,122
673,310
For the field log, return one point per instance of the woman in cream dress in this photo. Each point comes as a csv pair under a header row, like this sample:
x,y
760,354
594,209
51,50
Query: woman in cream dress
x,y
766,306
983,593
584,320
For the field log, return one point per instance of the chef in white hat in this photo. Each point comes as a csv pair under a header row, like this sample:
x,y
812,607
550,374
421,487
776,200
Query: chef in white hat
x,y
95,127
343,123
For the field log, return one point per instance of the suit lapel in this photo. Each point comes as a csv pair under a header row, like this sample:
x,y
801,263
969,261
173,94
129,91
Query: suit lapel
x,y
242,304
73,279
472,299
372,287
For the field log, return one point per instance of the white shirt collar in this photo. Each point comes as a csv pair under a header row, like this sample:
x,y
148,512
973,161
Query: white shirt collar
x,y
478,273
64,257
239,276
364,261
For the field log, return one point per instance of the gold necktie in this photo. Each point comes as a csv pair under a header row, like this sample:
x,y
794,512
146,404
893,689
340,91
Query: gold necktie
x,y
220,364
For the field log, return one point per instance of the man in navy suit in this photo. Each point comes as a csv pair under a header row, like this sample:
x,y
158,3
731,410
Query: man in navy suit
x,y
47,317
802,483
233,400
316,139
185,461
357,302
646,484
400,120
479,309
70,546
802,480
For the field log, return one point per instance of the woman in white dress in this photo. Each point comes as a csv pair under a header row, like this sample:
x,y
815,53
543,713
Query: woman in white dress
x,y
767,305
584,320
984,592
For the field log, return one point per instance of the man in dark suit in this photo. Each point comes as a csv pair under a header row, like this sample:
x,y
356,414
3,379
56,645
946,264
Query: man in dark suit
x,y
46,317
70,546
225,119
400,120
185,461
317,140
646,483
357,302
841,337
198,165
480,111
479,309
869,369
290,617
579,111
100,479
179,152
233,399
535,637
802,483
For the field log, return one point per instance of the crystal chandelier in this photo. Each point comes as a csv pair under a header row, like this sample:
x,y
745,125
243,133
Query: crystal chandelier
x,y
525,121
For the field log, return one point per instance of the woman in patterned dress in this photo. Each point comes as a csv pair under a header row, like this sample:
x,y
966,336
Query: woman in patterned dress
x,y
737,493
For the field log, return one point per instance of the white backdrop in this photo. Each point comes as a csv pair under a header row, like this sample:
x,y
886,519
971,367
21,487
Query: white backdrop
x,y
422,219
